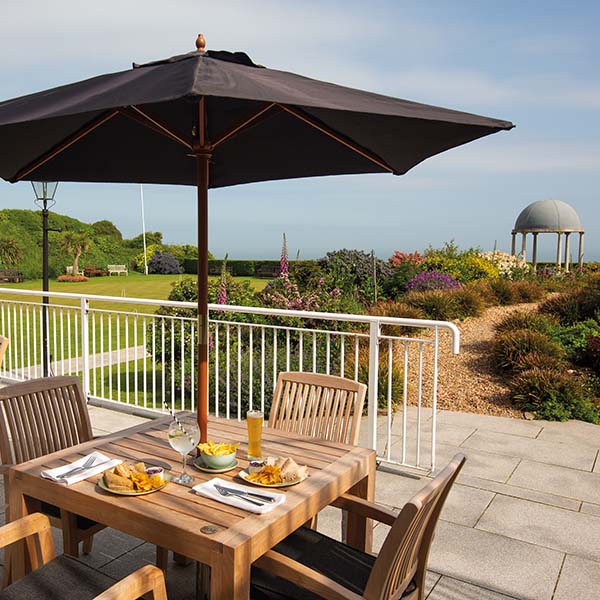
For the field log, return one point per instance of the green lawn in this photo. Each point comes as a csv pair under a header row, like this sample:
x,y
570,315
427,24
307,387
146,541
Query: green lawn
x,y
135,285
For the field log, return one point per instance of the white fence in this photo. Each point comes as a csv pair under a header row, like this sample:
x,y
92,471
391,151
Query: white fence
x,y
139,355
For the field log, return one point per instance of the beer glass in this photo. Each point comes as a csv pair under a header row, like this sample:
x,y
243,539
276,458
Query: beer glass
x,y
254,420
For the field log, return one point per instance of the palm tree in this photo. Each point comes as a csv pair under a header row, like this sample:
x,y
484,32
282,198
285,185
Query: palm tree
x,y
74,243
10,251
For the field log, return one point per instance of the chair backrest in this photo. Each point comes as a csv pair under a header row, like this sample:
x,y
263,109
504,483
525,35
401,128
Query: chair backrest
x,y
322,406
41,416
404,554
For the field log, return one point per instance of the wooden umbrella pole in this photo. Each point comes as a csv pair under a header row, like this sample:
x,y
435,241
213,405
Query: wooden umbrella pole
x,y
203,154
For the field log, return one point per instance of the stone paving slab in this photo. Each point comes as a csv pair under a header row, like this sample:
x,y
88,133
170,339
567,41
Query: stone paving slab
x,y
465,505
590,509
479,463
519,492
548,526
557,480
495,562
451,435
524,428
108,421
453,589
575,432
565,455
579,580
596,468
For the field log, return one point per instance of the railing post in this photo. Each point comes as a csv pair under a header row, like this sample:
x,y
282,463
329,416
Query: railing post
x,y
85,346
373,384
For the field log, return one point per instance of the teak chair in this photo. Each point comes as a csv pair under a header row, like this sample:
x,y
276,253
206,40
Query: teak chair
x,y
39,417
309,565
322,406
4,341
65,577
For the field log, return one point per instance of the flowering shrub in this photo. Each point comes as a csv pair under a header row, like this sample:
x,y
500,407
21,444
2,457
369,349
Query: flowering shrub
x,y
151,249
71,278
432,280
284,262
163,263
286,295
509,266
463,265
400,258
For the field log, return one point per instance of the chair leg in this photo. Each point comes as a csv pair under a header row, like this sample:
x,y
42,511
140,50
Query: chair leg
x,y
88,542
162,558
69,527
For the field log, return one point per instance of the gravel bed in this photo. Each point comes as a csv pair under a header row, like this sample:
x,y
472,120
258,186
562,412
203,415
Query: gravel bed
x,y
467,381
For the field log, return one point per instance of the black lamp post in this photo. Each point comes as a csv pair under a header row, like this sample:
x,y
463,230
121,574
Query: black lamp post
x,y
44,199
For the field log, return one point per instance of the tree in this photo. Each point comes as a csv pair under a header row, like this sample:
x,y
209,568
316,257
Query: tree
x,y
10,251
74,243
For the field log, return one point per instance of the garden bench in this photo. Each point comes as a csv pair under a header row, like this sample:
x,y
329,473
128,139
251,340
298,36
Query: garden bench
x,y
267,271
69,271
117,270
11,276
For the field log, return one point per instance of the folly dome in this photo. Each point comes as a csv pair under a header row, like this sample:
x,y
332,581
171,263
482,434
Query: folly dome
x,y
548,216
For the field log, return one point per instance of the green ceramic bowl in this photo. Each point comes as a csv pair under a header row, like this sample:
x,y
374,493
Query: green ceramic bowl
x,y
217,462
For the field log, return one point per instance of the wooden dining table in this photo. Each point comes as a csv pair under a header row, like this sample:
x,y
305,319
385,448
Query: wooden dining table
x,y
225,538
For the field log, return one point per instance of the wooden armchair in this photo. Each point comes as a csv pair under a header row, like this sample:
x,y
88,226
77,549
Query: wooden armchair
x,y
322,406
66,578
39,417
309,565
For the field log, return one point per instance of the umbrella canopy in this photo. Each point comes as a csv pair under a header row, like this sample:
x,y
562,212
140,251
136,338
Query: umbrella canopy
x,y
214,119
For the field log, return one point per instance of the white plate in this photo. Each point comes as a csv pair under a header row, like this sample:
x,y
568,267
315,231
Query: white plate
x,y
244,475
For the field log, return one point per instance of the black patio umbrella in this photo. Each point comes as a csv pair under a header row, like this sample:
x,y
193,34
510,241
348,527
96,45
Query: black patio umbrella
x,y
213,119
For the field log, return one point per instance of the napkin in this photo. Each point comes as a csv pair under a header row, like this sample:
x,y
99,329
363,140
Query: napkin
x,y
208,489
101,464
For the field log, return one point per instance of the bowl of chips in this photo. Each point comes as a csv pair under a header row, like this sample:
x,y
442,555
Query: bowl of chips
x,y
217,455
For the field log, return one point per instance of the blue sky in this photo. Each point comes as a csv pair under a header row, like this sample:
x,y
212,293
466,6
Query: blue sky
x,y
533,63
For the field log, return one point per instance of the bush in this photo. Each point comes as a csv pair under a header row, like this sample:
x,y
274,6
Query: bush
x,y
571,307
432,280
351,271
447,306
468,303
511,346
138,260
163,263
521,319
306,273
502,292
554,395
463,265
94,271
591,355
399,310
71,278
508,265
574,338
527,291
535,360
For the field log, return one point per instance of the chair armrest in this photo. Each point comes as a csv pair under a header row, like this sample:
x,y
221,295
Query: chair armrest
x,y
4,468
283,566
147,580
35,524
364,508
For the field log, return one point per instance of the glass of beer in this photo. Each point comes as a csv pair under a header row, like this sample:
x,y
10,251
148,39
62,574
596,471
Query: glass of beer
x,y
254,420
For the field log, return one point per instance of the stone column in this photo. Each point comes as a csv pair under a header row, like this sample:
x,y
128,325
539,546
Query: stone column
x,y
567,257
535,250
524,245
580,253
558,250
513,246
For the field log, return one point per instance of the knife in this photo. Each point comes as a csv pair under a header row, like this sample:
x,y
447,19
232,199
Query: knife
x,y
262,497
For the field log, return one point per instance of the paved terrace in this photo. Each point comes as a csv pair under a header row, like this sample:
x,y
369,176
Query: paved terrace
x,y
522,522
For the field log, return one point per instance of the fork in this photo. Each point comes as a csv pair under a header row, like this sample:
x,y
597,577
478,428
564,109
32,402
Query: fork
x,y
226,493
86,465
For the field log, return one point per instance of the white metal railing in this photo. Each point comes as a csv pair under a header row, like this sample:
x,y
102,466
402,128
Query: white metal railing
x,y
138,355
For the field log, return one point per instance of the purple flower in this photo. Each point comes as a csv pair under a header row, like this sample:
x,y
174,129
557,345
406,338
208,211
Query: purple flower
x,y
432,280
284,263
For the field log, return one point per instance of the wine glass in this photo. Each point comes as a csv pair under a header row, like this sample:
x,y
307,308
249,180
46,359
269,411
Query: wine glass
x,y
184,436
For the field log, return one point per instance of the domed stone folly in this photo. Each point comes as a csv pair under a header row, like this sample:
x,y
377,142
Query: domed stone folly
x,y
549,216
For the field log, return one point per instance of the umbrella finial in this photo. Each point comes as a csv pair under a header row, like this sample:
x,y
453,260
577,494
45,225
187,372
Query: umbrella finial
x,y
200,43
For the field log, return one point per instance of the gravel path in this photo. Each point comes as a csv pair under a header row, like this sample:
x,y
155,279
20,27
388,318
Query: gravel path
x,y
468,381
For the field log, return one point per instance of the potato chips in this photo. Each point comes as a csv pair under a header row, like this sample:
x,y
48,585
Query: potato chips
x,y
131,478
268,475
217,448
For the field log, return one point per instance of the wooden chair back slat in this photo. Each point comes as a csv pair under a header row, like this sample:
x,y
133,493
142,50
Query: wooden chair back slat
x,y
324,406
403,556
42,416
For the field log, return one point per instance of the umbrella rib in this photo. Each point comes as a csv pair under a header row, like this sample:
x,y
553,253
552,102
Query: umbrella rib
x,y
69,141
143,118
332,134
239,127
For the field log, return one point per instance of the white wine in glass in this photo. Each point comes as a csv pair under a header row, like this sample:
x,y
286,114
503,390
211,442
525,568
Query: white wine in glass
x,y
184,436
